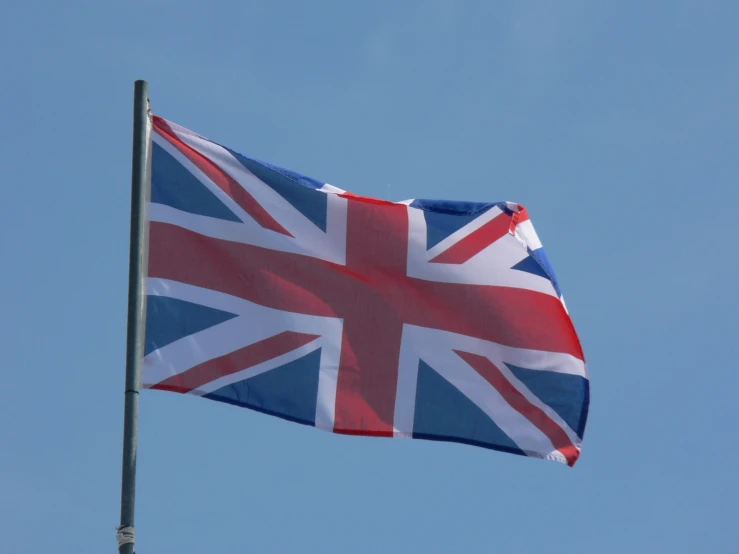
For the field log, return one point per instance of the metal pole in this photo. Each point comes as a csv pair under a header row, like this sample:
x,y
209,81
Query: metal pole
x,y
138,259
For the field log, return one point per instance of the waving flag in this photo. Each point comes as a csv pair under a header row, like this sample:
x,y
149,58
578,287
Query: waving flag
x,y
425,319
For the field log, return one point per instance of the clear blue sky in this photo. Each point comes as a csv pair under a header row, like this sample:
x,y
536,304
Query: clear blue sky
x,y
615,123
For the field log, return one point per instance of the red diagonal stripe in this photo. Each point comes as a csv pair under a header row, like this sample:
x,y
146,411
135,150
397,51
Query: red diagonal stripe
x,y
476,241
519,217
490,372
222,179
234,362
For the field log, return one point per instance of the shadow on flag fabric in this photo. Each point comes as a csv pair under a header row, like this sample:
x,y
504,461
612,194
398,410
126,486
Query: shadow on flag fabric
x,y
426,319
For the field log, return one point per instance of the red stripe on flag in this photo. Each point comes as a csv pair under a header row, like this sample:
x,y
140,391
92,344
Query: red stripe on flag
x,y
222,179
234,362
368,199
510,316
279,280
492,374
376,249
295,283
519,217
476,241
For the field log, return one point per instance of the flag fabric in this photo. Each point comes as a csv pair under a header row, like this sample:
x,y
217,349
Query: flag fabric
x,y
429,319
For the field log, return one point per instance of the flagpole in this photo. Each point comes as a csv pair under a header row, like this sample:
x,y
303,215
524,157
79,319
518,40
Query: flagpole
x,y
138,259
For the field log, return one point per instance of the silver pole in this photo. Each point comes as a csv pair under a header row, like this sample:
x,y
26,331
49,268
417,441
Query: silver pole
x,y
138,259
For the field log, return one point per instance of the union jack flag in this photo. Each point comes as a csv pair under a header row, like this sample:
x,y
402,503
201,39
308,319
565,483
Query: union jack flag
x,y
427,319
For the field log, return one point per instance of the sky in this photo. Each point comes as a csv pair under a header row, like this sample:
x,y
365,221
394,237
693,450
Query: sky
x,y
615,123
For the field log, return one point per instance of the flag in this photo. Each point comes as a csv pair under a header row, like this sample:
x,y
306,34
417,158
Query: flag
x,y
427,319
